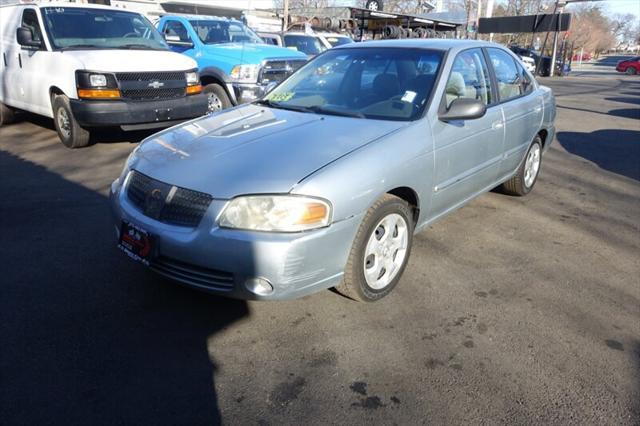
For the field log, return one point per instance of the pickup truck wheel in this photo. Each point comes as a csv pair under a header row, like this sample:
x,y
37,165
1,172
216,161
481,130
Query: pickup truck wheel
x,y
217,97
69,131
527,175
7,115
631,71
380,250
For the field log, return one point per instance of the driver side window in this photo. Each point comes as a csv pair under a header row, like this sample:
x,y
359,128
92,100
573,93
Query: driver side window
x,y
176,29
30,21
469,78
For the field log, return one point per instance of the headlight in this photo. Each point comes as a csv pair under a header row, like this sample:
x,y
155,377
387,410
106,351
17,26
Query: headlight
x,y
245,73
96,85
192,78
277,213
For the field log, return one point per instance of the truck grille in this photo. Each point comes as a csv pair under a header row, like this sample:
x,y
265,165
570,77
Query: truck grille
x,y
276,70
148,86
167,203
193,274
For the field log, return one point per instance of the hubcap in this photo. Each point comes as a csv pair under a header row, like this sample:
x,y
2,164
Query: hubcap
x,y
63,123
215,104
532,165
386,251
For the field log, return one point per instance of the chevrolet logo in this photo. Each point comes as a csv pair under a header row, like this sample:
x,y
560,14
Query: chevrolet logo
x,y
155,84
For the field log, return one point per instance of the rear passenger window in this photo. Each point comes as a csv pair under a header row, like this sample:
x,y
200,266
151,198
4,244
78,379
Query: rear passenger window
x,y
512,79
469,78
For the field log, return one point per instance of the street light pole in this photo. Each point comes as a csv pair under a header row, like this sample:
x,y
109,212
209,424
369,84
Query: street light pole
x,y
557,13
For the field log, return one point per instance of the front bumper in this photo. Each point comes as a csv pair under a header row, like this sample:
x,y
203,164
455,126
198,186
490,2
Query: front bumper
x,y
132,115
295,264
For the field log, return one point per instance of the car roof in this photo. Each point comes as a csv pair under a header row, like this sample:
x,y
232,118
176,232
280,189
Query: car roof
x,y
424,43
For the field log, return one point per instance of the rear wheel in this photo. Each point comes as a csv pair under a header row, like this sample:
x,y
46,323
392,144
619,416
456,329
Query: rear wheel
x,y
631,71
7,115
69,131
523,181
217,97
380,251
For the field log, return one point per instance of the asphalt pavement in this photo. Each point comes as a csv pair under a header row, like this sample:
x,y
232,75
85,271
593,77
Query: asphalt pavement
x,y
511,310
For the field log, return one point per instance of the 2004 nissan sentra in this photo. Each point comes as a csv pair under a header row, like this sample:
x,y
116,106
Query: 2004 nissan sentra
x,y
324,181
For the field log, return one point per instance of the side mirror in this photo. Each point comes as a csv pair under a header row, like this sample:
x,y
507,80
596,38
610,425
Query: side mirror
x,y
25,38
464,109
175,41
270,86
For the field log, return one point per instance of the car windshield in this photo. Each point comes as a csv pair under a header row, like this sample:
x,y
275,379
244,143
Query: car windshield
x,y
307,44
376,83
217,32
338,41
85,28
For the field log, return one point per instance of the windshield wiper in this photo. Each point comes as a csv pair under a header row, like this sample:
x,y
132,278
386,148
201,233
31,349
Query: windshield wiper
x,y
137,46
84,46
272,104
330,111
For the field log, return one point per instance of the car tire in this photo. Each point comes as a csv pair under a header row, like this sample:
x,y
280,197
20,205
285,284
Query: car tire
x,y
7,115
374,5
70,133
217,97
525,178
631,71
390,216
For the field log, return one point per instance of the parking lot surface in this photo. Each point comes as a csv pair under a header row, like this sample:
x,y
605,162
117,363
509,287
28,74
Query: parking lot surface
x,y
512,310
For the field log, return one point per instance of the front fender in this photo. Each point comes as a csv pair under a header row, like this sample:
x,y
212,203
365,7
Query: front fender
x,y
354,182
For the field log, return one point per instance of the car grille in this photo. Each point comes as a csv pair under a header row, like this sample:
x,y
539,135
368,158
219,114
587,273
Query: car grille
x,y
193,274
276,70
167,203
148,86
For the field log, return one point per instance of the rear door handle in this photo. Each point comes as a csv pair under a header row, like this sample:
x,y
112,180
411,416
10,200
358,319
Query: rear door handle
x,y
497,125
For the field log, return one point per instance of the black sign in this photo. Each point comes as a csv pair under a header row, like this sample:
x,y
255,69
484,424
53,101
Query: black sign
x,y
525,24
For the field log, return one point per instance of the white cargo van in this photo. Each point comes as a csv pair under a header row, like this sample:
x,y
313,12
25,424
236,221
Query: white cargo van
x,y
90,66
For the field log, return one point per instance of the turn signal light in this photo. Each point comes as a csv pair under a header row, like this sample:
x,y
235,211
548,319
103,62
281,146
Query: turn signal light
x,y
98,93
194,90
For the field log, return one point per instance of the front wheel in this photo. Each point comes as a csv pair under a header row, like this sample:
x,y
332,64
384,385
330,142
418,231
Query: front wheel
x,y
7,115
631,71
525,178
69,131
216,97
380,250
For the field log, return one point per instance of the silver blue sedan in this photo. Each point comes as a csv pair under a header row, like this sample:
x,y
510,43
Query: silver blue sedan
x,y
324,182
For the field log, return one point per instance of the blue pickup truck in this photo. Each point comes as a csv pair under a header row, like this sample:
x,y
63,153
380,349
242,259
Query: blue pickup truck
x,y
234,63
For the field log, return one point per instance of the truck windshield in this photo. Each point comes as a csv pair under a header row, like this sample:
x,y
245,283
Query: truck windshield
x,y
84,28
376,83
216,32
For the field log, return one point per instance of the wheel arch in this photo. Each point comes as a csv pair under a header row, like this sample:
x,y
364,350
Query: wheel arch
x,y
411,197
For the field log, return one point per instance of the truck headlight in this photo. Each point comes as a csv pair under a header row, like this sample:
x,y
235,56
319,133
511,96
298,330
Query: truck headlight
x,y
247,73
193,82
276,213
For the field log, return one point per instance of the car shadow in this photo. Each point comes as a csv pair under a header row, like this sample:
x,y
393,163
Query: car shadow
x,y
615,150
626,113
89,337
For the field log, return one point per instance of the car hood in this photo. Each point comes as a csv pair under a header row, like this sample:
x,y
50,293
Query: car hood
x,y
252,149
250,53
113,60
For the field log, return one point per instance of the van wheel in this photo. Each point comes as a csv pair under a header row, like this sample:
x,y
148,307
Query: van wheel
x,y
217,97
524,180
380,250
7,115
69,131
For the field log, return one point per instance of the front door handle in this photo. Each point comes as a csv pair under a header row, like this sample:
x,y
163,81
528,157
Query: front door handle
x,y
497,125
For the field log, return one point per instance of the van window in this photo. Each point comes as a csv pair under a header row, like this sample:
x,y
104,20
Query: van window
x,y
30,20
